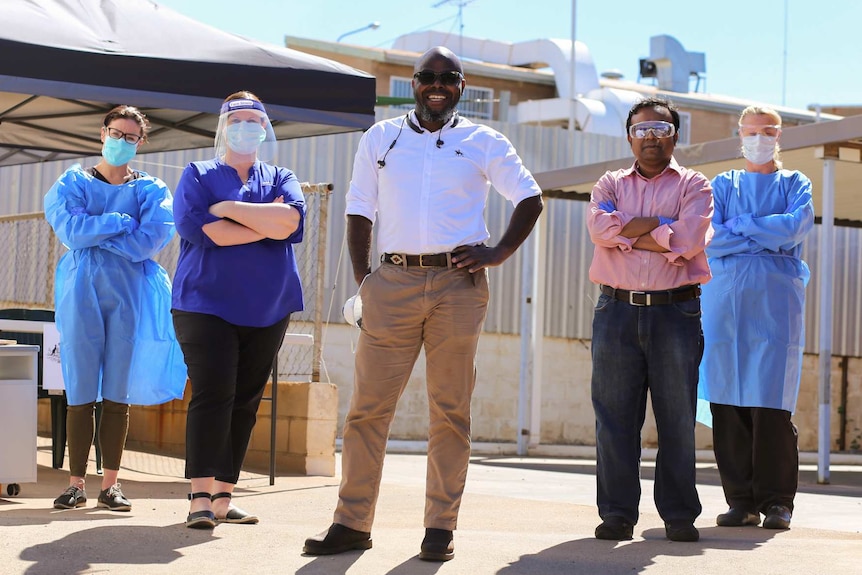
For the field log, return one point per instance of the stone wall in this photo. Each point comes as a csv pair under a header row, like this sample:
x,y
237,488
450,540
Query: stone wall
x,y
310,415
305,429
567,413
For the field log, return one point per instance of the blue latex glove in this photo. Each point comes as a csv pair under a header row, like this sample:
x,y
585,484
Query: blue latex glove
x,y
129,223
608,206
730,222
663,221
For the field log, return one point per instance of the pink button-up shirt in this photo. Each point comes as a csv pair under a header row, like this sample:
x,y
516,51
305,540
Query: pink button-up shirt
x,y
678,193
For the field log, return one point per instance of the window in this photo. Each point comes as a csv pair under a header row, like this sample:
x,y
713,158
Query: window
x,y
475,102
684,129
401,88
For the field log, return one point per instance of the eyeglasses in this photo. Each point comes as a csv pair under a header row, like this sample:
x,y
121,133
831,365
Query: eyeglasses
x,y
450,78
118,135
753,129
657,129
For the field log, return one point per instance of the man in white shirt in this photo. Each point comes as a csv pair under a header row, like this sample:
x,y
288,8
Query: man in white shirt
x,y
424,177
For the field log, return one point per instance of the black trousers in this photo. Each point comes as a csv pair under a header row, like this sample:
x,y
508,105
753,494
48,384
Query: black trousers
x,y
228,366
757,452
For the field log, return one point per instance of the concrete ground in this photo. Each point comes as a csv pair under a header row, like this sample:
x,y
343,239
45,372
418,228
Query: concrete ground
x,y
519,517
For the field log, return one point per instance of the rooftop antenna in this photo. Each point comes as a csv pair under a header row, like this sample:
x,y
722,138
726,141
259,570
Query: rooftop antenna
x,y
784,62
460,4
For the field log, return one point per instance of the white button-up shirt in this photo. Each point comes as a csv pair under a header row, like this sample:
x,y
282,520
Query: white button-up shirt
x,y
430,198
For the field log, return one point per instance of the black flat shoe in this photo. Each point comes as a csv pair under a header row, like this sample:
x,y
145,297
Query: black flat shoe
x,y
337,539
234,514
200,519
437,545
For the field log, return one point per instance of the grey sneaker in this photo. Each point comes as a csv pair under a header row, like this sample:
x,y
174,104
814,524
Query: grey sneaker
x,y
73,497
112,498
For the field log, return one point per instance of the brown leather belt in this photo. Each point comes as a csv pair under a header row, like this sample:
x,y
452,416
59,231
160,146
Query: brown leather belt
x,y
644,298
422,261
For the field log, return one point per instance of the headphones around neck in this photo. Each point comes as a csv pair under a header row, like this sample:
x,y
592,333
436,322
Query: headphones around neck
x,y
381,163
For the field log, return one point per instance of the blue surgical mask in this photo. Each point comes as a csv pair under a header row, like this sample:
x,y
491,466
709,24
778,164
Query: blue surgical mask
x,y
118,152
245,137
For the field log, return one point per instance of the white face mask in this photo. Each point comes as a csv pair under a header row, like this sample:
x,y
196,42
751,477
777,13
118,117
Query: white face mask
x,y
758,149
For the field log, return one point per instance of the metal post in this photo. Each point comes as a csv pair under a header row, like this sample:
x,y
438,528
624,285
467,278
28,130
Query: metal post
x,y
573,94
273,416
538,329
825,288
324,190
527,363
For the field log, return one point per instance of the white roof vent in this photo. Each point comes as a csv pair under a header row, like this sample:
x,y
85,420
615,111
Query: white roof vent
x,y
555,54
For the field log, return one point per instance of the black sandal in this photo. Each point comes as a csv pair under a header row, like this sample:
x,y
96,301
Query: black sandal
x,y
200,519
234,514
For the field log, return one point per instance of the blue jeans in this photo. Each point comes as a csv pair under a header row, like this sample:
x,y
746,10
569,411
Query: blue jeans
x,y
635,349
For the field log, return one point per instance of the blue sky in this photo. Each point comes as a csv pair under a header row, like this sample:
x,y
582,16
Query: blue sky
x,y
744,40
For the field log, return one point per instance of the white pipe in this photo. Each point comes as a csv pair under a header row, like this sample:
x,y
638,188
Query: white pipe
x,y
526,366
539,273
824,436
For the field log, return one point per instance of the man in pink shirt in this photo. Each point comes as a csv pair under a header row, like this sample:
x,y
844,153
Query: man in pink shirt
x,y
650,224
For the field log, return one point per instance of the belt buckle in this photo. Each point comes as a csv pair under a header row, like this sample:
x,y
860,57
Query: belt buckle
x,y
422,263
647,298
396,259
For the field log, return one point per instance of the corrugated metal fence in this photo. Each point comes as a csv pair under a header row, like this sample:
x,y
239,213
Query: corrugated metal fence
x,y
569,294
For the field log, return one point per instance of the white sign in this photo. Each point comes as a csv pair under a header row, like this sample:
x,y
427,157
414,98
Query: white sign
x,y
52,373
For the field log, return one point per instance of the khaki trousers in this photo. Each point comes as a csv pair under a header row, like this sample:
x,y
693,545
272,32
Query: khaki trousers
x,y
404,309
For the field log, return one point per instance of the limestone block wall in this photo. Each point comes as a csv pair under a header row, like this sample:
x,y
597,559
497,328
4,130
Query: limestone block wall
x,y
311,415
567,413
305,430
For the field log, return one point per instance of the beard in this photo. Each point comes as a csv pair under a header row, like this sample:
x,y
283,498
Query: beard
x,y
427,115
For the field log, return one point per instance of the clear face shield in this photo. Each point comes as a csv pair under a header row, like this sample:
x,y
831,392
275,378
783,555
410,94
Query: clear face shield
x,y
244,130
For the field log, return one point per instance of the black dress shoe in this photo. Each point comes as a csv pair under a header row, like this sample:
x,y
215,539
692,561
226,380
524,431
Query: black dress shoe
x,y
615,528
437,545
681,530
337,539
736,517
777,517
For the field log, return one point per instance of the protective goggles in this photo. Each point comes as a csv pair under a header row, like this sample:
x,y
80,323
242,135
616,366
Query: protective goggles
x,y
450,78
754,129
657,129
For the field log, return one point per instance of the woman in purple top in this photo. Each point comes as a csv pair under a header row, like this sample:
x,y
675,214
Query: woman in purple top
x,y
235,287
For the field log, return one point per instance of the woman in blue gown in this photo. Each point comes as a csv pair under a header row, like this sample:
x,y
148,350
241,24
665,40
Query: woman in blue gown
x,y
112,302
754,326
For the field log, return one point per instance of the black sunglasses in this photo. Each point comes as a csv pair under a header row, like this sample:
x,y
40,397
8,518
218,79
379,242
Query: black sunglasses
x,y
449,78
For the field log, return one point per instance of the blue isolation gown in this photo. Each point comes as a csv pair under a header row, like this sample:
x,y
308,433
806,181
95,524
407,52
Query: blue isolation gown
x,y
112,302
754,306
